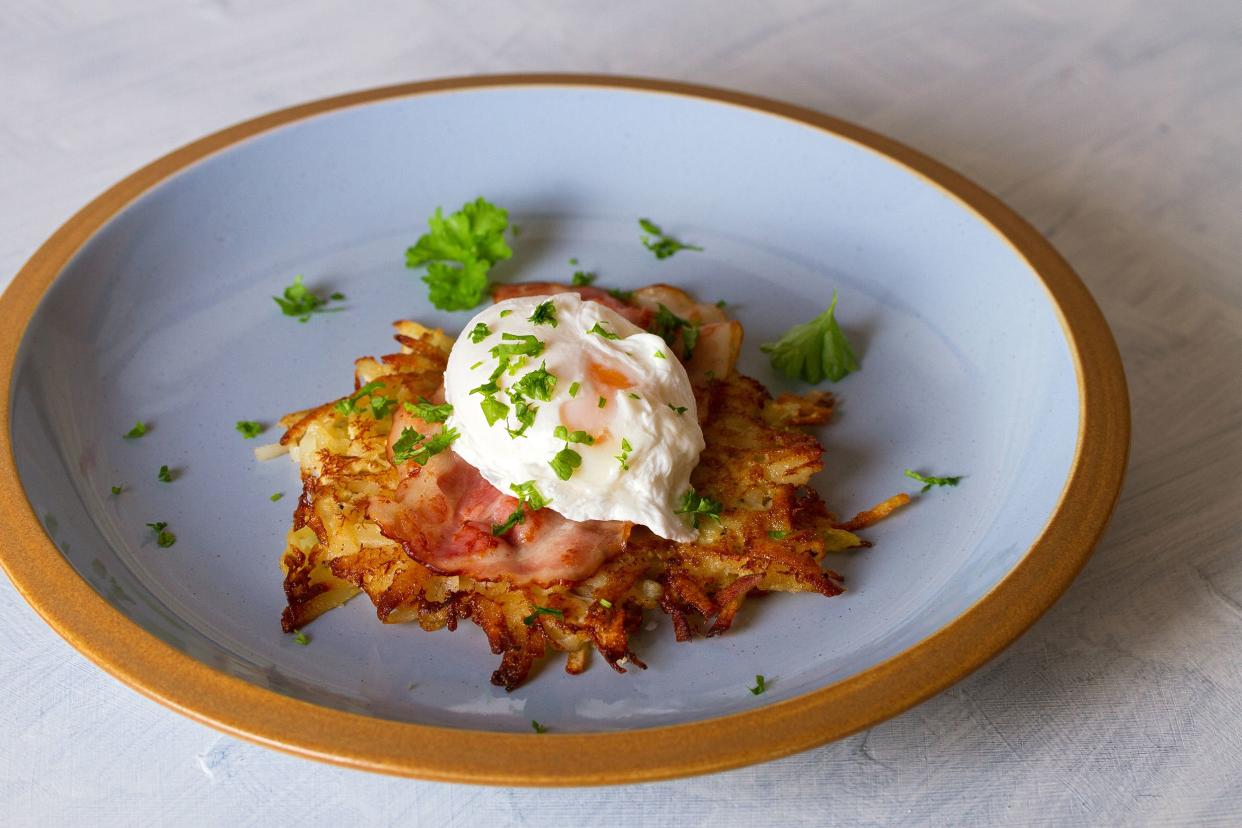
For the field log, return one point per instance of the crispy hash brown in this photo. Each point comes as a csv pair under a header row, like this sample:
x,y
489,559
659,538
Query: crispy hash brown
x,y
773,532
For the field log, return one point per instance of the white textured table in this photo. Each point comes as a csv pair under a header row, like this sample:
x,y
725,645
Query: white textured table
x,y
1113,126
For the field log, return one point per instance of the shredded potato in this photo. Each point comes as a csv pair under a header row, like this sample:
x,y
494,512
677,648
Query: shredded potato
x,y
773,534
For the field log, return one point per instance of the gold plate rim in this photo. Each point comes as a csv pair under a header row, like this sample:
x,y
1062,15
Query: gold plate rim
x,y
133,655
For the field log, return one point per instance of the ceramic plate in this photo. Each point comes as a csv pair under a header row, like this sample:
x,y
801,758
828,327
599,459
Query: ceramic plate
x,y
982,355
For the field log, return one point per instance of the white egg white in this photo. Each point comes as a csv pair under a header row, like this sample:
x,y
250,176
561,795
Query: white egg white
x,y
646,401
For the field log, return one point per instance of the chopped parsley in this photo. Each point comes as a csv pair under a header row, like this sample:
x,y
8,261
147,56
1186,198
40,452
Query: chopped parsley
x,y
573,261
582,278
528,498
538,728
300,637
666,325
598,329
381,406
116,490
163,537
605,603
429,412
573,389
813,350
761,684
519,345
480,332
538,384
247,428
420,448
622,295
545,314
505,313
928,480
633,396
679,409
624,457
347,405
698,506
459,251
524,414
165,475
602,402
659,243
476,365
493,410
139,429
538,611
562,433
337,296
277,496
660,355
777,534
300,302
722,304
565,462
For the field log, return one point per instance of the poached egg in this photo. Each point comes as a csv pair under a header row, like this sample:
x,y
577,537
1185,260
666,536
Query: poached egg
x,y
573,397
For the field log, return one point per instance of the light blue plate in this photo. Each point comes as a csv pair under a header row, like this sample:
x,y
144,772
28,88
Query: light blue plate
x,y
165,316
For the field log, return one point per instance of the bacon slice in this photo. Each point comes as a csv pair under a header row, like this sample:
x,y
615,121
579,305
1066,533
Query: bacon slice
x,y
442,514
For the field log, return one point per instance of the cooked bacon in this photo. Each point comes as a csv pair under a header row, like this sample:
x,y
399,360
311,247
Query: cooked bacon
x,y
638,315
442,514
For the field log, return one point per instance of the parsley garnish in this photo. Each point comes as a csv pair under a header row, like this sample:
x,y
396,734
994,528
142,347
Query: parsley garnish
x,y
602,402
562,433
337,296
660,244
598,329
624,457
538,728
473,237
813,350
505,313
564,462
428,412
605,603
476,365
163,538
494,409
300,637
300,302
633,396
545,314
777,534
528,498
530,619
761,684
679,409
480,333
538,384
722,304
697,506
582,278
666,325
573,389
380,406
928,480
420,448
164,475
248,428
277,496
573,261
347,405
623,295
116,490
139,429
524,414
519,345
660,355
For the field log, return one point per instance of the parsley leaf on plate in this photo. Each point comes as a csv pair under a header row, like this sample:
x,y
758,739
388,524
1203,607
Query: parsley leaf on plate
x,y
697,506
813,350
165,475
761,684
249,428
459,251
299,301
429,412
163,537
659,243
139,429
928,480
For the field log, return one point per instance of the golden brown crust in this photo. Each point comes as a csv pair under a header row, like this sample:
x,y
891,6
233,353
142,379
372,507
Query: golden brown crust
x,y
772,535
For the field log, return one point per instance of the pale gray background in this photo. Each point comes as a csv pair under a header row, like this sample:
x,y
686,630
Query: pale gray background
x,y
1113,126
